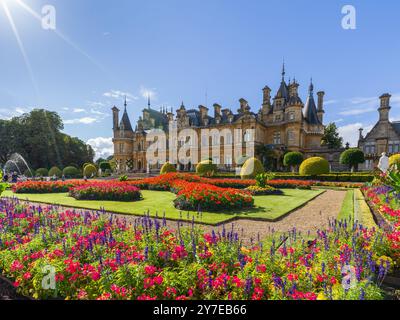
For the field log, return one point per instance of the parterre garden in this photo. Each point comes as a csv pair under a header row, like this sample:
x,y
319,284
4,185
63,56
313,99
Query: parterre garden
x,y
101,256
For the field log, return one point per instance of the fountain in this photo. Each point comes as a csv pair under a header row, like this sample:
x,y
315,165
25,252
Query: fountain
x,y
17,163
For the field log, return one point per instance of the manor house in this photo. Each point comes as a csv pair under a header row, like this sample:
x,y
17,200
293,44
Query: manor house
x,y
283,123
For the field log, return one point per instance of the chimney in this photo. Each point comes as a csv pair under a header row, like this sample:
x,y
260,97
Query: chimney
x,y
361,133
293,89
217,110
115,111
266,96
203,111
321,95
385,107
244,106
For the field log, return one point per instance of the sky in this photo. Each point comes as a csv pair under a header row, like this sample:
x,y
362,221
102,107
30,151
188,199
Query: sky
x,y
198,52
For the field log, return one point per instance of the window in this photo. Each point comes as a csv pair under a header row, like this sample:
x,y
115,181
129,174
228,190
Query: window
x,y
247,136
290,136
215,160
291,116
228,138
278,118
215,139
121,148
277,138
228,160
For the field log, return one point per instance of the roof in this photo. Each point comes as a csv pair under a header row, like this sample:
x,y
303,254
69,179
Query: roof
x,y
396,126
310,113
283,91
125,122
160,119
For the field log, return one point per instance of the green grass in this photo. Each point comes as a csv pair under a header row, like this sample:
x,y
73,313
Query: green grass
x,y
268,208
347,210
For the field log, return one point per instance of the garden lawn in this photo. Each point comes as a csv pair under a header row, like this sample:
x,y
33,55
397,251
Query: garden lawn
x,y
270,208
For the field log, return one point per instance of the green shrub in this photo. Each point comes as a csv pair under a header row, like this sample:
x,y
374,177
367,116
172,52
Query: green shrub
x,y
71,172
29,173
394,159
314,166
293,159
42,172
251,168
90,170
55,171
352,157
206,168
123,178
104,166
167,168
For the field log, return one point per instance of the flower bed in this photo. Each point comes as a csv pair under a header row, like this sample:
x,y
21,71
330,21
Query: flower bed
x,y
259,191
295,184
200,196
108,191
101,258
36,187
387,205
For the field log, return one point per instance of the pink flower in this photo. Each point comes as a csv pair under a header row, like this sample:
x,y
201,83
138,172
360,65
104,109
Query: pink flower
x,y
150,270
16,266
27,276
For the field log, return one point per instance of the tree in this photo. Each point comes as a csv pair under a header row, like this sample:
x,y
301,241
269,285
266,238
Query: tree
x,y
332,138
293,159
38,138
267,154
352,157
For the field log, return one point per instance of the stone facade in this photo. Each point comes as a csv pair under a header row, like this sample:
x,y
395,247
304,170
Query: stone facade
x,y
283,123
384,136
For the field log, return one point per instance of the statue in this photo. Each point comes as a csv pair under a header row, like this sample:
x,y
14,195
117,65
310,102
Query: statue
x,y
384,163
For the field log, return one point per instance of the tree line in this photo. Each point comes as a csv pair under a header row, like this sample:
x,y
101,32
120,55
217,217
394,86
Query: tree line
x,y
38,138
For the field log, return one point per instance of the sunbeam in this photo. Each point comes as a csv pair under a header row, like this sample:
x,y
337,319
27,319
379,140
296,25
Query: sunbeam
x,y
21,46
60,34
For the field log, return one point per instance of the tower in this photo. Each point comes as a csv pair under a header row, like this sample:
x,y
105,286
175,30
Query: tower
x,y
115,112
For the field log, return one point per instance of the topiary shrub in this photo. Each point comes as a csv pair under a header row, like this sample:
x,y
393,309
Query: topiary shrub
x,y
206,168
251,168
167,168
104,166
90,170
293,159
71,172
394,159
314,166
55,171
352,157
29,173
42,172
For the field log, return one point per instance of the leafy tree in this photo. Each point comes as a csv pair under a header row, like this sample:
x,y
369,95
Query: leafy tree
x,y
293,159
352,157
267,154
38,137
55,171
105,165
332,138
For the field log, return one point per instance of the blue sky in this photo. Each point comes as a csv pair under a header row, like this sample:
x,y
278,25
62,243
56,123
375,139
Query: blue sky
x,y
186,50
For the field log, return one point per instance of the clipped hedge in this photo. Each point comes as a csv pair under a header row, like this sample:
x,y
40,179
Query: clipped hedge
x,y
55,171
90,170
330,177
251,168
394,159
206,168
314,167
42,172
167,168
71,172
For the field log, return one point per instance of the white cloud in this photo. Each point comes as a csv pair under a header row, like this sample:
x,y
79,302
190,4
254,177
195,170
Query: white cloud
x,y
79,110
8,113
350,132
356,112
84,120
148,92
119,95
103,147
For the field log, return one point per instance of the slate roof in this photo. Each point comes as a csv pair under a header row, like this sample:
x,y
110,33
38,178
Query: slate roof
x,y
310,112
125,122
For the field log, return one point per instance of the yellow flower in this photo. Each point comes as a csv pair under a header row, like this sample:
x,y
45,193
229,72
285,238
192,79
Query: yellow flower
x,y
321,296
